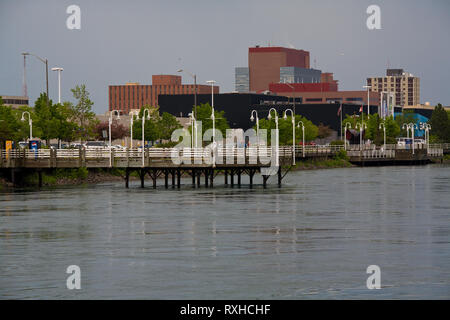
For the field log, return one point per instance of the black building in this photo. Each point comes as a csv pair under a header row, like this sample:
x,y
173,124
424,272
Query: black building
x,y
238,106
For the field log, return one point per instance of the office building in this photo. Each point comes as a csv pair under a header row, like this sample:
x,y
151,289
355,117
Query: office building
x,y
265,65
132,95
15,101
404,85
242,82
299,75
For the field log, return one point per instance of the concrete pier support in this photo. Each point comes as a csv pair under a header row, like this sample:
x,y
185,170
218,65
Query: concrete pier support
x,y
127,178
142,176
178,178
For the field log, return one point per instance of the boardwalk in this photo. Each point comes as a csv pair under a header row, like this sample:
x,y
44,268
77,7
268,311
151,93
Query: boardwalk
x,y
202,162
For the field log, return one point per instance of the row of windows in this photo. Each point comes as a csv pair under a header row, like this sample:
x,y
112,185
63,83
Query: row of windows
x,y
15,101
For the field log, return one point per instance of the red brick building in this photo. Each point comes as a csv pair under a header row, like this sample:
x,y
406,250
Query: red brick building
x,y
134,95
265,62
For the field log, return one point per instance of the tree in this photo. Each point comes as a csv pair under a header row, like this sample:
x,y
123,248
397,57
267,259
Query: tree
x,y
81,112
373,131
168,123
118,130
285,129
152,129
406,117
204,112
323,131
439,122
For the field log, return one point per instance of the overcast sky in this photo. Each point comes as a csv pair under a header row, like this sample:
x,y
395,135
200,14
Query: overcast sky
x,y
129,41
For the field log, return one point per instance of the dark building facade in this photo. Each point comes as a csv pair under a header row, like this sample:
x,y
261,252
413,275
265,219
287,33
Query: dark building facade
x,y
238,106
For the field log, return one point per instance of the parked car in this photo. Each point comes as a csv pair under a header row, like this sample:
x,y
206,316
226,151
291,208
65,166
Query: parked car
x,y
95,145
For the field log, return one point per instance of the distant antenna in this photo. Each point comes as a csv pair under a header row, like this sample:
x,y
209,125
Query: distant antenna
x,y
315,64
25,91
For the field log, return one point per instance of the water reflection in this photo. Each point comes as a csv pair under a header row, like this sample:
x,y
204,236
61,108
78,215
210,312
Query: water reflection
x,y
313,238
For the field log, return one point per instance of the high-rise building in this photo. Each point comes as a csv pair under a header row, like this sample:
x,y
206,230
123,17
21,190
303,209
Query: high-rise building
x,y
265,64
404,85
299,75
133,95
242,79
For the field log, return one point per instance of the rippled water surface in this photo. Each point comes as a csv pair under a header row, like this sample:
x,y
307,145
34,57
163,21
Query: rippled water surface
x,y
311,239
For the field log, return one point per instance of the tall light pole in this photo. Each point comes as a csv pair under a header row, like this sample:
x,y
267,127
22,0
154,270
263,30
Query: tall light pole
x,y
58,69
277,141
30,122
427,133
195,89
361,126
293,132
303,137
413,126
132,118
368,100
384,134
45,61
348,125
117,113
143,127
257,124
193,130
213,117
25,91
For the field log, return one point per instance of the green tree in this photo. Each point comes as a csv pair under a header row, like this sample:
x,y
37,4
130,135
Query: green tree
x,y
9,125
406,117
81,112
439,122
204,112
152,128
168,123
285,129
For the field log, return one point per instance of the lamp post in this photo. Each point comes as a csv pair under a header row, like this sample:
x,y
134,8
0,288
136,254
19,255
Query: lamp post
x,y
293,132
58,69
193,130
368,100
384,134
257,124
277,142
213,118
427,133
303,137
117,113
413,126
45,61
361,126
195,89
143,128
30,122
348,125
132,114
406,126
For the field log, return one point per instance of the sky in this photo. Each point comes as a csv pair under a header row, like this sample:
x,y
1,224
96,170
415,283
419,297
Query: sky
x,y
129,41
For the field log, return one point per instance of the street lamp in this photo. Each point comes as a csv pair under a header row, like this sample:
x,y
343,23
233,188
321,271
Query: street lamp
x,y
303,136
257,124
361,126
277,142
58,69
132,114
143,127
368,100
117,113
193,130
427,128
45,61
384,134
30,122
213,117
293,132
195,89
405,126
348,125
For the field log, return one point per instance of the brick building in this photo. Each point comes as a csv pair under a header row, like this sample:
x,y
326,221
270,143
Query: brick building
x,y
134,95
265,62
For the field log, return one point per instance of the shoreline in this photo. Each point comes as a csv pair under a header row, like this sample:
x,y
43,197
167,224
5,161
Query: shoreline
x,y
83,176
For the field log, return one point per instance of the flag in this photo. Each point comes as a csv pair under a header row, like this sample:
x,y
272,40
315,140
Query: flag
x,y
361,109
339,110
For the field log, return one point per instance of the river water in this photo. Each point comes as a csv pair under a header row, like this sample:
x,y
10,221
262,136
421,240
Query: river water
x,y
312,239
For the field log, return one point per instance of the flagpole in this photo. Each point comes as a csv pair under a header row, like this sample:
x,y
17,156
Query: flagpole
x,y
341,120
